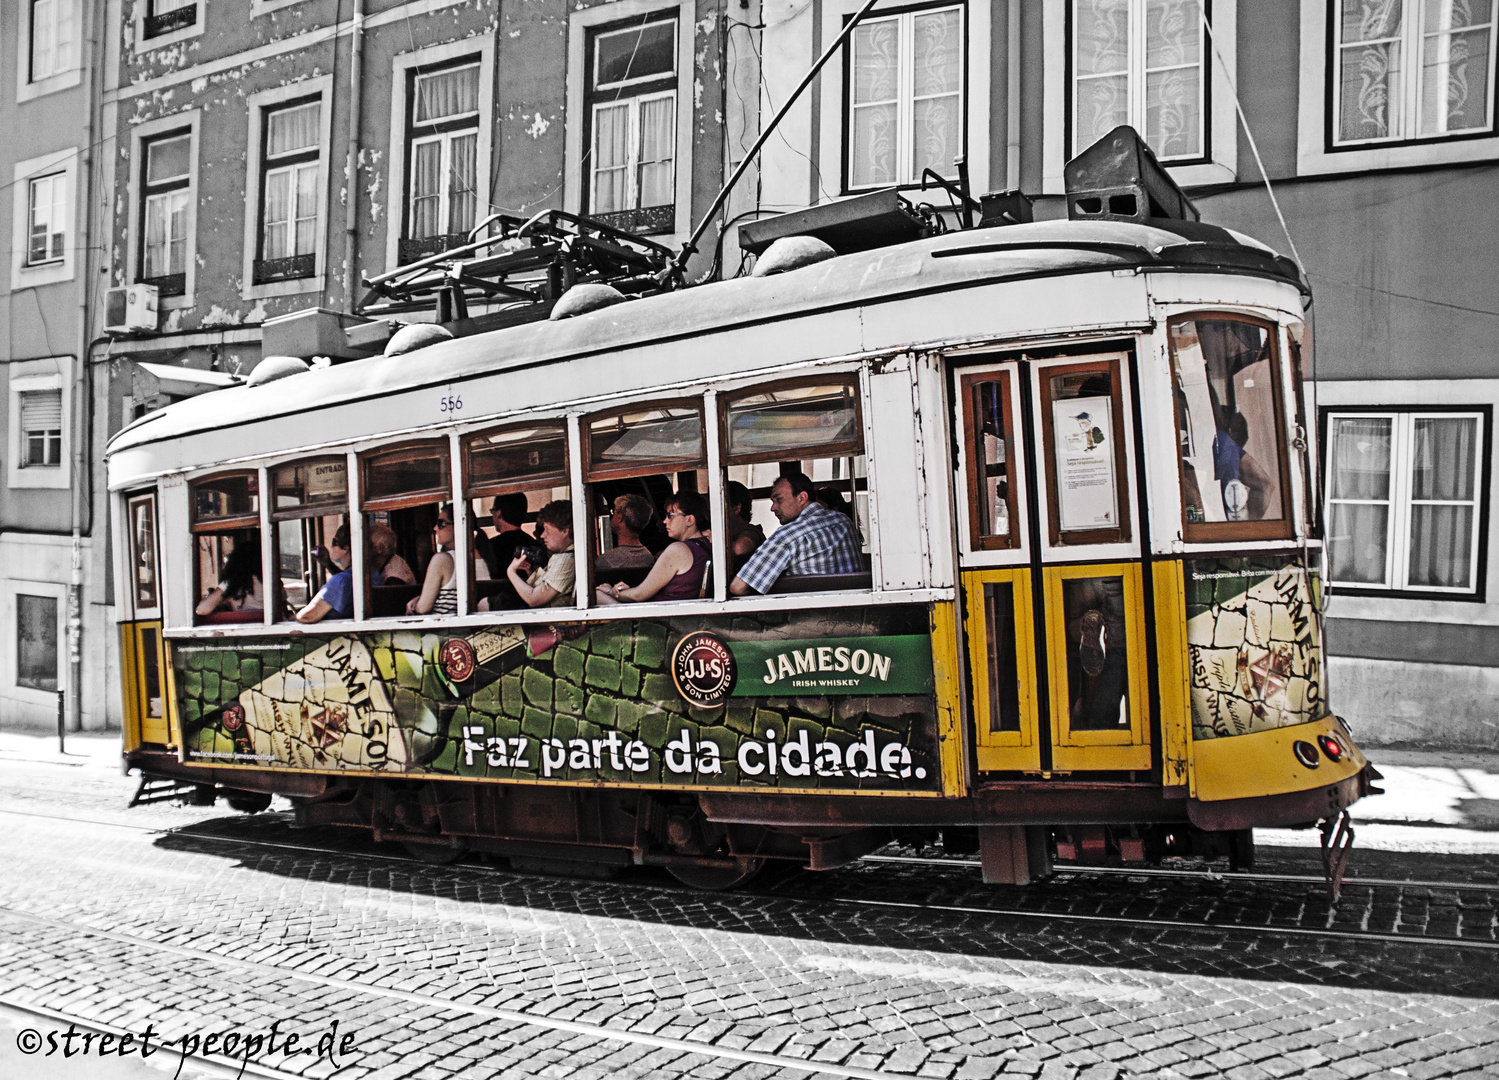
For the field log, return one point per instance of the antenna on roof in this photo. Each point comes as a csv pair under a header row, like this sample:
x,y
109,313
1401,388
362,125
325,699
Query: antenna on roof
x,y
679,264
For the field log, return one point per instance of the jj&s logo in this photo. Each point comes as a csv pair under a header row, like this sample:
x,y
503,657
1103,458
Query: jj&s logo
x,y
703,669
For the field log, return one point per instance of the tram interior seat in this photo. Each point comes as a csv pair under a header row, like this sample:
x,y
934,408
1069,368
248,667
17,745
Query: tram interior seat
x,y
804,583
387,601
231,618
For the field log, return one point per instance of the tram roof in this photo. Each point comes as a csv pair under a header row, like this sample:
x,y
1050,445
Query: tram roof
x,y
948,262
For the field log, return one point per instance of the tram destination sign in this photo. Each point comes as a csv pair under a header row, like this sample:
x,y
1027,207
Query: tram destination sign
x,y
831,700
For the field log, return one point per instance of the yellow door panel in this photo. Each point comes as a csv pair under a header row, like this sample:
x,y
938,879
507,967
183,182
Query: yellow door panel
x,y
1099,690
1002,666
949,695
151,694
1171,671
130,690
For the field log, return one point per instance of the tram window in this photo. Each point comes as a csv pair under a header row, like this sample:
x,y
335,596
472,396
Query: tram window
x,y
311,503
1230,428
1004,670
1085,433
226,541
988,429
1097,653
638,461
808,428
407,522
512,473
142,516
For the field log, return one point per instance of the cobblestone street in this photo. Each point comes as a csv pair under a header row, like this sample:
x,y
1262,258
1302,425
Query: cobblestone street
x,y
201,920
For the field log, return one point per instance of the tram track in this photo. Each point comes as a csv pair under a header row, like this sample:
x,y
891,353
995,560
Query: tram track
x,y
1039,915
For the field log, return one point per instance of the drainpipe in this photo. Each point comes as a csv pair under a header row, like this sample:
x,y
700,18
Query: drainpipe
x,y
351,165
82,416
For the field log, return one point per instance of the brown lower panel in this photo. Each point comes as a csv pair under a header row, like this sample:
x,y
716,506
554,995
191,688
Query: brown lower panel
x,y
1275,811
164,763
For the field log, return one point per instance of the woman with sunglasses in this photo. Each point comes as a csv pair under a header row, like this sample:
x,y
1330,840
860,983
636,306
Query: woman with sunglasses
x,y
682,568
439,594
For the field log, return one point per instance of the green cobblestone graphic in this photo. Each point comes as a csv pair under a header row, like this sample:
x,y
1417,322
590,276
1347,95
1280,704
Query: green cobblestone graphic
x,y
571,704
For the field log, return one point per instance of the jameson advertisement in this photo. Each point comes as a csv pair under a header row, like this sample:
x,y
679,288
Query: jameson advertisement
x,y
1254,635
837,700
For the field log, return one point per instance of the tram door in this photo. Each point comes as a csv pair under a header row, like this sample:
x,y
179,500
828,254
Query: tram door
x,y
1050,567
141,655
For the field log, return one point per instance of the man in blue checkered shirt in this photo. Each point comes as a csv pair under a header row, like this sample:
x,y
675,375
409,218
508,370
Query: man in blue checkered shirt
x,y
811,540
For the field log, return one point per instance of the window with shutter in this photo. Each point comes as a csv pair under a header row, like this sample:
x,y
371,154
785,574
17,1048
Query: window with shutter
x,y
41,428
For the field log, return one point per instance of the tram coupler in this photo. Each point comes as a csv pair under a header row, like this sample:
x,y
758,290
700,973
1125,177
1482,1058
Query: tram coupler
x,y
1337,844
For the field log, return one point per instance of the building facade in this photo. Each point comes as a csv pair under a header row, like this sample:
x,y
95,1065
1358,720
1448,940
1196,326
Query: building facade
x,y
54,587
1385,178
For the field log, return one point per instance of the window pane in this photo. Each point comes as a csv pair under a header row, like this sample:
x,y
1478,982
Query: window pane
x,y
1455,79
635,53
290,130
1360,458
1102,31
306,219
461,182
1371,89
277,213
1004,676
1082,431
36,642
1102,105
446,93
167,159
1173,33
611,157
426,188
672,435
407,471
874,142
1173,114
1097,653
166,234
224,497
311,483
1228,423
143,551
531,456
1444,458
657,145
991,455
42,15
1364,21
1356,542
938,47
876,64
1441,546
937,135
792,423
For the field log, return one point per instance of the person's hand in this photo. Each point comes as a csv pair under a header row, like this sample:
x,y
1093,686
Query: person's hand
x,y
411,606
520,564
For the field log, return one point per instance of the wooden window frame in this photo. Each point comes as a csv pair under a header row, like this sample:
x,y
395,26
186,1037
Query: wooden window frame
x,y
229,524
625,472
1221,532
307,510
850,448
444,131
167,283
1112,364
966,382
422,497
298,265
487,489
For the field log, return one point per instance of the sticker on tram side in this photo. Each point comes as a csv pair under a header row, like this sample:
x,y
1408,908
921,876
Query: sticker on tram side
x,y
837,700
1254,639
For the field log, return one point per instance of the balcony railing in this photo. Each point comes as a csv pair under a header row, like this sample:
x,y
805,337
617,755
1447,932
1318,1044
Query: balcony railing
x,y
643,220
168,284
288,269
167,21
410,250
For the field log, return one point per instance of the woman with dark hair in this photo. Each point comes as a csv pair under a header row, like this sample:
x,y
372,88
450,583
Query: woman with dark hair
x,y
744,537
239,583
681,570
439,594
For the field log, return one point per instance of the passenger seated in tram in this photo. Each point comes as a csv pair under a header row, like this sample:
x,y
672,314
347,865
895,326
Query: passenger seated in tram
x,y
439,595
550,585
239,587
387,567
1243,481
744,536
681,570
812,540
336,597
628,519
508,512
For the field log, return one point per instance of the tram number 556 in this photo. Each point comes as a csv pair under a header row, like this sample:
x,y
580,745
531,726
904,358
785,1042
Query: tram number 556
x,y
450,403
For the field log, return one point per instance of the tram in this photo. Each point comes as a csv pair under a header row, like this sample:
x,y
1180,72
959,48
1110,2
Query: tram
x,y
1082,617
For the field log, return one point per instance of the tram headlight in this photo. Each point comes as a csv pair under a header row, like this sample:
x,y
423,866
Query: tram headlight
x,y
1331,747
1306,753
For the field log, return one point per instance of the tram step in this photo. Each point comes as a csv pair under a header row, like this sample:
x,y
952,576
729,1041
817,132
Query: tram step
x,y
154,789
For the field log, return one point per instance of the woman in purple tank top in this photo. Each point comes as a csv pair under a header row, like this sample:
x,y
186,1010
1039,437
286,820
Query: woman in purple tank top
x,y
681,570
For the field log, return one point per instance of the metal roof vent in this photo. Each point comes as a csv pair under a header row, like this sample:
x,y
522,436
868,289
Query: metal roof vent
x,y
276,367
791,253
1119,179
581,299
416,336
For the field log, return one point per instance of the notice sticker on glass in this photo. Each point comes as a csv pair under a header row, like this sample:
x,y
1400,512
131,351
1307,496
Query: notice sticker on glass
x,y
1087,495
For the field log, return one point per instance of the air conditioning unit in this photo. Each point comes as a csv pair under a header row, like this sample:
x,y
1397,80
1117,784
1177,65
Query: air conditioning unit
x,y
130,309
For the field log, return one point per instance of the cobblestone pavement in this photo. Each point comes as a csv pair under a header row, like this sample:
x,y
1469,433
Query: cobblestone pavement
x,y
468,971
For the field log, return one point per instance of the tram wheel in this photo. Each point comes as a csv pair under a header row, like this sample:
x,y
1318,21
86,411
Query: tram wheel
x,y
716,878
434,854
248,802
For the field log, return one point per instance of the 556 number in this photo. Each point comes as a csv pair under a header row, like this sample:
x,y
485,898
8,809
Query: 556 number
x,y
450,403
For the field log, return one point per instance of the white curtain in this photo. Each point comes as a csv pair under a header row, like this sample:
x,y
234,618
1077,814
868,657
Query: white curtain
x,y
447,93
1455,65
277,214
462,184
290,130
166,234
1101,30
937,66
876,81
1443,484
658,117
1359,494
1173,77
426,188
611,157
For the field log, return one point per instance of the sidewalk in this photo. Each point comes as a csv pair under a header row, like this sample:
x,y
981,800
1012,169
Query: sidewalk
x,y
84,749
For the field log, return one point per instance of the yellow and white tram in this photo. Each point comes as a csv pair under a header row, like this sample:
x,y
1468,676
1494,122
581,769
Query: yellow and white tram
x,y
1087,619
